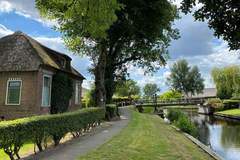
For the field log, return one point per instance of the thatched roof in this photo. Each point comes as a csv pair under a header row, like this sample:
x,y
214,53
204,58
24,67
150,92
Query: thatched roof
x,y
19,52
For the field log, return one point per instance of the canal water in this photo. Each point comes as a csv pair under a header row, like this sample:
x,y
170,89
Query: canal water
x,y
221,135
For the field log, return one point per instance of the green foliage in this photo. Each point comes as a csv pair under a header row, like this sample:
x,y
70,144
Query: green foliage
x,y
185,79
227,81
127,88
231,103
150,89
35,129
141,36
181,121
174,114
171,94
221,16
88,99
62,90
78,19
216,103
185,125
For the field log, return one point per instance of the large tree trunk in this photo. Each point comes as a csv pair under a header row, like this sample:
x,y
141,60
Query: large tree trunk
x,y
99,72
109,83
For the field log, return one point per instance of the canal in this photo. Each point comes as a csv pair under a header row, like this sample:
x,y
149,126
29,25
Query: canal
x,y
221,135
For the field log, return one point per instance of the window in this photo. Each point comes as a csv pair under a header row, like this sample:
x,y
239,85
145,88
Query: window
x,y
13,92
46,91
77,93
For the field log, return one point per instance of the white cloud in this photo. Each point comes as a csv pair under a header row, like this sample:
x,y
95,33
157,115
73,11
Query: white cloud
x,y
4,31
5,6
24,8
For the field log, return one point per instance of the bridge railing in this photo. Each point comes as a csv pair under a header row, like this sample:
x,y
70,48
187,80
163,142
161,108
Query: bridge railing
x,y
172,101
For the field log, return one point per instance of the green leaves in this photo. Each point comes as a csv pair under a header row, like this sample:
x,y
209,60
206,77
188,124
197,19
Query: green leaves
x,y
34,129
150,89
227,81
80,18
185,79
222,16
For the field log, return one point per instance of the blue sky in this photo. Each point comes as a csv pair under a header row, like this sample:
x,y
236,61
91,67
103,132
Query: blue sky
x,y
197,43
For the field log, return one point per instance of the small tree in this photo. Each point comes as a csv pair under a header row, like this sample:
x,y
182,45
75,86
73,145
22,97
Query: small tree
x,y
150,89
171,95
185,79
62,90
227,81
127,88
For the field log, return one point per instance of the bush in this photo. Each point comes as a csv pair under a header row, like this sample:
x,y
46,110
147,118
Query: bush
x,y
185,125
216,103
111,111
174,114
231,103
35,129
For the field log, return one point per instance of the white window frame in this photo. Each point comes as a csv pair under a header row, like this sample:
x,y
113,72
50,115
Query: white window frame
x,y
77,94
20,94
50,77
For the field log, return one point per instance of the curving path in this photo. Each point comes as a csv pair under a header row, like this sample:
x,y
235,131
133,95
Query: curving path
x,y
77,147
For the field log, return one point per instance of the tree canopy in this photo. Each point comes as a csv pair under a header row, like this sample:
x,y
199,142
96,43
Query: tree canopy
x,y
171,94
223,16
114,34
140,36
227,81
127,88
185,79
150,89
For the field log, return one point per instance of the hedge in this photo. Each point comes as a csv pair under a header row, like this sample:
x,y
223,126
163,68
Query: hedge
x,y
35,129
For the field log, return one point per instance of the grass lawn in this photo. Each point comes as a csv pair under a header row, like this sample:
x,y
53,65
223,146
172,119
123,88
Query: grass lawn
x,y
231,112
27,148
147,137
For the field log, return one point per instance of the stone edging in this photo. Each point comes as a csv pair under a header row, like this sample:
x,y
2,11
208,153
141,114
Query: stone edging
x,y
227,116
200,144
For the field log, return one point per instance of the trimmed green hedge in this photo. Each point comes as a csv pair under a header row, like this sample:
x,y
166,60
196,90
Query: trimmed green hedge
x,y
13,134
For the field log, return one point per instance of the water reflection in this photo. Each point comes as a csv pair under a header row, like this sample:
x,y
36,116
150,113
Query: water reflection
x,y
222,135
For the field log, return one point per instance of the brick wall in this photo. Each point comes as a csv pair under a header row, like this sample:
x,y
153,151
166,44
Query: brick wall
x,y
28,100
31,95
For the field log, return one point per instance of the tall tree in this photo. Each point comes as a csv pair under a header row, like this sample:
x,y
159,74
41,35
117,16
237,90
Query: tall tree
x,y
223,16
150,89
140,36
227,81
83,25
185,79
127,88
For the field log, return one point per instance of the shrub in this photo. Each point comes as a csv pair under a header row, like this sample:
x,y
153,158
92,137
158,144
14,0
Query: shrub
x,y
62,89
216,103
174,114
185,125
231,103
171,94
35,129
111,111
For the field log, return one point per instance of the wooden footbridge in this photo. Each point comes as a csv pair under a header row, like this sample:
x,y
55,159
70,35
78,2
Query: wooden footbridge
x,y
170,102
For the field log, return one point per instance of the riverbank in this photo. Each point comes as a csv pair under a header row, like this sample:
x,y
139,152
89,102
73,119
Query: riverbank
x,y
148,137
231,113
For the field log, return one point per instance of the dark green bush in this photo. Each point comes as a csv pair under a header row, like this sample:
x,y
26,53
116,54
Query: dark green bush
x,y
174,114
111,111
231,103
62,89
34,129
185,125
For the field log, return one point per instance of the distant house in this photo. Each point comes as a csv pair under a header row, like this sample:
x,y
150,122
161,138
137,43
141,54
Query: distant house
x,y
26,70
207,93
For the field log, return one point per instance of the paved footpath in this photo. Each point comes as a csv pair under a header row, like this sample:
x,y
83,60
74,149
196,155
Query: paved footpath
x,y
73,149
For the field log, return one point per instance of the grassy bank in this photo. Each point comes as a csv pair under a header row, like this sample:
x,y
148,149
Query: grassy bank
x,y
230,112
147,137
